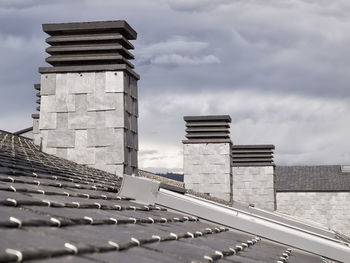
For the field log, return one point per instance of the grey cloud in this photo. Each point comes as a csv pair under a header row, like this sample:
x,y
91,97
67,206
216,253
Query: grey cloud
x,y
147,152
196,5
304,130
21,4
199,57
185,60
177,50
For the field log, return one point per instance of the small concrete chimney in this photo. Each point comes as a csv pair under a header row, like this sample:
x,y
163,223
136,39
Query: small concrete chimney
x,y
88,98
207,155
253,175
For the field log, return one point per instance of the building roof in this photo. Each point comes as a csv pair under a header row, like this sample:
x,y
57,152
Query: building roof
x,y
320,178
20,132
55,210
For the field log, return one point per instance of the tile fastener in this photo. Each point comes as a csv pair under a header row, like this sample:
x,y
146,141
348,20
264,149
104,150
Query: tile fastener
x,y
217,252
157,237
72,248
210,259
134,219
136,241
55,220
114,220
174,235
113,244
89,219
16,220
15,252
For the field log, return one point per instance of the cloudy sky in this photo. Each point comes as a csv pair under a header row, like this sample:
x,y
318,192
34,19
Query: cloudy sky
x,y
280,69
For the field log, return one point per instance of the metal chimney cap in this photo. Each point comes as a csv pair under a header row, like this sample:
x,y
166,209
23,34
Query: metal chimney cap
x,y
208,118
82,27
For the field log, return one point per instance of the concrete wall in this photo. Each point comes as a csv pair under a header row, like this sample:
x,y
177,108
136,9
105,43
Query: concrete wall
x,y
254,185
90,118
331,209
207,168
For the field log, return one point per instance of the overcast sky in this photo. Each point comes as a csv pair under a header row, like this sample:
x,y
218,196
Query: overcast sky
x,y
280,69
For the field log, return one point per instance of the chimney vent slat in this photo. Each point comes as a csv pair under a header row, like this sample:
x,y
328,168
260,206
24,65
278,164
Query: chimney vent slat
x,y
89,49
210,128
37,86
90,39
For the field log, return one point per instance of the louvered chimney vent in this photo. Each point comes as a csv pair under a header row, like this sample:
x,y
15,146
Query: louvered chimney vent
x,y
213,128
89,46
252,155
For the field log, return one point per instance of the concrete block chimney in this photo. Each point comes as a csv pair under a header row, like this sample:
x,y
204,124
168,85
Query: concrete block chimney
x,y
88,98
207,155
253,175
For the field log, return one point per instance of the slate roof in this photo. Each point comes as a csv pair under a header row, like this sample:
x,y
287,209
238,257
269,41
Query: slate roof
x,y
321,178
20,132
55,210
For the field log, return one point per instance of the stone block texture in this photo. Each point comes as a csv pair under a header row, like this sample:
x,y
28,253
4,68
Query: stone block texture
x,y
90,118
36,135
328,208
254,185
207,168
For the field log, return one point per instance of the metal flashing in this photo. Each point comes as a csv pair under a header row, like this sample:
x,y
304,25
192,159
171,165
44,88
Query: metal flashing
x,y
262,223
173,188
145,191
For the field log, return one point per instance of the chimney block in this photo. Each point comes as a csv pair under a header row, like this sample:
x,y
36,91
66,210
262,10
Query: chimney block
x,y
253,175
207,155
92,83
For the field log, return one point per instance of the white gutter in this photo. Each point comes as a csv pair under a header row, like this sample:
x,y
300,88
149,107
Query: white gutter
x,y
287,220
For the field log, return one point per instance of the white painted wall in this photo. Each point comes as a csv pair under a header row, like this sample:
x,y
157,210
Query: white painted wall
x,y
254,185
207,168
331,209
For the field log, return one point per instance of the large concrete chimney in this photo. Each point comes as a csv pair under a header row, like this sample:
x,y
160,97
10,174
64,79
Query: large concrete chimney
x,y
88,106
253,175
207,155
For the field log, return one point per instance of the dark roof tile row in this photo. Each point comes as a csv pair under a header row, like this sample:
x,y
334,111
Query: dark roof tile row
x,y
320,178
55,210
